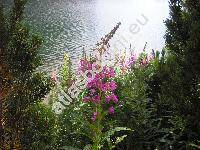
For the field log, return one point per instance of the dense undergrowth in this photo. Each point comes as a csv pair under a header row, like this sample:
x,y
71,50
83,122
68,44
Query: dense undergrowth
x,y
139,102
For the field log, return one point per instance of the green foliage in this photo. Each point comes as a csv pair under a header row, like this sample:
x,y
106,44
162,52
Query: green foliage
x,y
70,119
41,128
183,41
108,136
76,126
159,101
71,128
137,110
174,86
77,132
21,87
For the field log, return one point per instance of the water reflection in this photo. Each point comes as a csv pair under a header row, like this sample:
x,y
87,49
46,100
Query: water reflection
x,y
71,25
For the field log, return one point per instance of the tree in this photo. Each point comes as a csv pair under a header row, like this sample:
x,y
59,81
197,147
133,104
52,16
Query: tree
x,y
21,87
179,75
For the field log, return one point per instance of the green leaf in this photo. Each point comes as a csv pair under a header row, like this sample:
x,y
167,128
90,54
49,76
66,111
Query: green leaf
x,y
111,132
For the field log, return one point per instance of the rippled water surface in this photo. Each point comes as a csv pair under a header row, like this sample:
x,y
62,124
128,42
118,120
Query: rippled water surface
x,y
70,25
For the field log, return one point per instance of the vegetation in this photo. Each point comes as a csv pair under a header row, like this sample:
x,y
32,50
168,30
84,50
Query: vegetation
x,y
145,102
21,87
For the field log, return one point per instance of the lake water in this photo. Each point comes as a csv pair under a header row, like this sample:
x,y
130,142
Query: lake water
x,y
70,25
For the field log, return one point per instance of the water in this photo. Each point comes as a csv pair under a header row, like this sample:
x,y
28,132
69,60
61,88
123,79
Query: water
x,y
70,25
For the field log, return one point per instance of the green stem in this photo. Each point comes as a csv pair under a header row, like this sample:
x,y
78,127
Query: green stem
x,y
98,132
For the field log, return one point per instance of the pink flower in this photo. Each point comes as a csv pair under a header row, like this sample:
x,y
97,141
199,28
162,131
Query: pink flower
x,y
111,110
89,80
109,86
86,99
100,76
85,65
92,91
94,117
96,99
99,84
132,60
53,76
89,66
108,98
144,62
90,84
105,87
89,75
108,72
112,97
111,73
105,71
82,62
113,85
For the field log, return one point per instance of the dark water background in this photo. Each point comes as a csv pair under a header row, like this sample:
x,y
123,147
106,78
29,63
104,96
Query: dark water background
x,y
70,25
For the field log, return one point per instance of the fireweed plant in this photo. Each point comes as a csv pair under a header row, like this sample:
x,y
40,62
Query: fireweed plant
x,y
76,87
94,99
98,101
99,96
